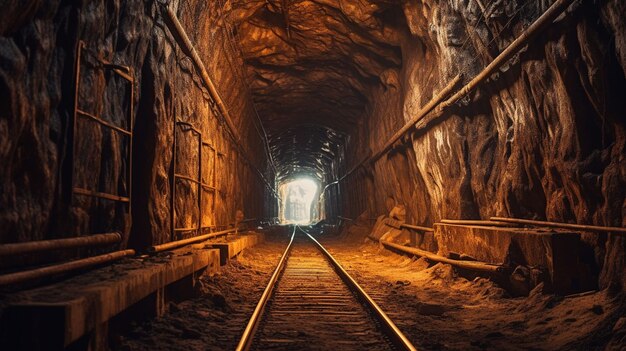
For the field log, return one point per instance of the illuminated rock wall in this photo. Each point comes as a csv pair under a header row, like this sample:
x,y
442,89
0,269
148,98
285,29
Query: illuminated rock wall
x,y
544,139
37,58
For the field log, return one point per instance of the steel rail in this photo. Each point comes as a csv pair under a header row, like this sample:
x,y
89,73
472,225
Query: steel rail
x,y
248,334
392,331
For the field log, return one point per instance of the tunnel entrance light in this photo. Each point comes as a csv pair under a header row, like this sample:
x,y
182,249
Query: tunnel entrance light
x,y
298,196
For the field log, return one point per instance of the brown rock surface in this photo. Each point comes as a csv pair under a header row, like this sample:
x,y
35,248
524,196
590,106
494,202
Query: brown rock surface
x,y
331,80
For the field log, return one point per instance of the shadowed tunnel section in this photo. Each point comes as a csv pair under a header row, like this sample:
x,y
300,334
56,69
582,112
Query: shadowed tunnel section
x,y
311,66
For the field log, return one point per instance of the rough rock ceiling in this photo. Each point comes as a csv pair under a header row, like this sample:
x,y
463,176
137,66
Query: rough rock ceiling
x,y
310,65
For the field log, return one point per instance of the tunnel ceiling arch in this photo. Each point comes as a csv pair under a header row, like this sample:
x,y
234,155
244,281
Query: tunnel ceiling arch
x,y
310,65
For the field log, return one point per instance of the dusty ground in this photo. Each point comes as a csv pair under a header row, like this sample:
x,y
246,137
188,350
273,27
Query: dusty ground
x,y
437,309
215,319
433,306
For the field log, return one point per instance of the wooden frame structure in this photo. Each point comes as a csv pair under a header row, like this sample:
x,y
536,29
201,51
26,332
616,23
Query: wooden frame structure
x,y
202,186
125,73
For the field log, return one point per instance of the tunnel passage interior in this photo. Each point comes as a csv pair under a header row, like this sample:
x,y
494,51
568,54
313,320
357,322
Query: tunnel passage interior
x,y
485,140
299,201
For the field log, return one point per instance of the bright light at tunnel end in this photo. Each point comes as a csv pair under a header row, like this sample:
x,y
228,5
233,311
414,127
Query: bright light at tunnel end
x,y
299,201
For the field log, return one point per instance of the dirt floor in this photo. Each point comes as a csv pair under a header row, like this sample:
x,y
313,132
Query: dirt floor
x,y
215,319
432,305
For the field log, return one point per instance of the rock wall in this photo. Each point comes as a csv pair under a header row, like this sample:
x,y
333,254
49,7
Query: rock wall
x,y
543,139
38,42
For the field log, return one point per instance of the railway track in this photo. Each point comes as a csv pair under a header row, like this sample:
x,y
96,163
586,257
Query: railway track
x,y
311,303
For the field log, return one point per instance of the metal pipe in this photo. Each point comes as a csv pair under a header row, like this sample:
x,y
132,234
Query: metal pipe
x,y
407,126
471,265
179,243
543,21
20,277
246,338
436,100
179,32
595,228
475,222
423,123
59,244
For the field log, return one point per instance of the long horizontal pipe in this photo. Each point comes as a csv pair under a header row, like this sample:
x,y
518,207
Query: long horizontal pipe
x,y
59,244
424,123
541,23
475,222
470,265
190,48
436,100
180,243
407,126
20,277
595,228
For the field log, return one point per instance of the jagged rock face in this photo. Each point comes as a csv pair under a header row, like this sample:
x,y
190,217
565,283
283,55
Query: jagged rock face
x,y
311,65
542,139
37,59
331,80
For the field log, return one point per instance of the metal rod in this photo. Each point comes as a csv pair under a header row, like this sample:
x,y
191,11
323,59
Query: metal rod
x,y
119,70
81,191
471,265
475,222
131,128
173,190
123,74
345,218
214,180
189,126
20,277
179,243
392,330
207,144
595,228
199,182
423,123
208,187
246,338
79,48
182,38
103,122
436,100
543,21
59,244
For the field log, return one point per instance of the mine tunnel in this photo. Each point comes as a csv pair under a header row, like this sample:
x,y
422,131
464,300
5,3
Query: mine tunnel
x,y
313,175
